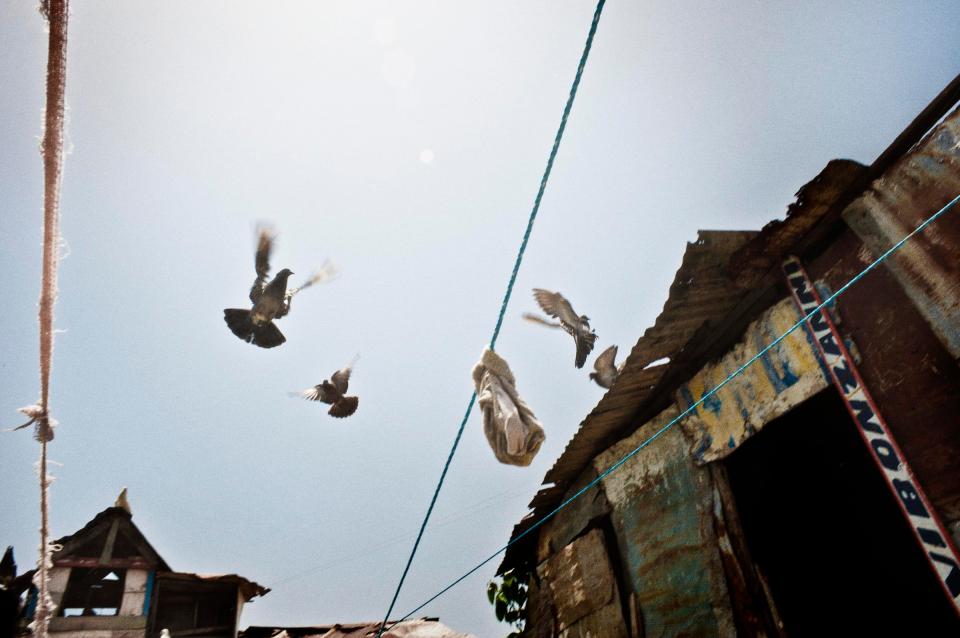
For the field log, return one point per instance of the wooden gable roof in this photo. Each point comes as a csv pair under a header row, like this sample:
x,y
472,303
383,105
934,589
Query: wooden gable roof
x,y
110,539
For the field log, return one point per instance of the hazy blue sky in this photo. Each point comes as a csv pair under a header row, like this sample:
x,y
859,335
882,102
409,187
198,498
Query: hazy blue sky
x,y
191,121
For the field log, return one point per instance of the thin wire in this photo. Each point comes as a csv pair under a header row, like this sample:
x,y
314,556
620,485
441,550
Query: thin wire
x,y
546,173
693,407
506,297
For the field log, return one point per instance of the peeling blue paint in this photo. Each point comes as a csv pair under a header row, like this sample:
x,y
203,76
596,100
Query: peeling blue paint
x,y
663,533
780,381
706,441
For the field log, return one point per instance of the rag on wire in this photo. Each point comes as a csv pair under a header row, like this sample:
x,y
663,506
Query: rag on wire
x,y
56,12
506,297
826,302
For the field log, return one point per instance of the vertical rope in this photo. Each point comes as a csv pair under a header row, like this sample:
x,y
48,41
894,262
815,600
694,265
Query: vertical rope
x,y
56,12
506,299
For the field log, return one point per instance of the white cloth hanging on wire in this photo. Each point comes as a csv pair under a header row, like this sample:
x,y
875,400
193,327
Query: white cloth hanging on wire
x,y
510,426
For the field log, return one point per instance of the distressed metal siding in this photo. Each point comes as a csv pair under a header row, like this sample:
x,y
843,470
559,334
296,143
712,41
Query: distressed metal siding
x,y
927,267
576,517
913,378
786,375
583,589
662,506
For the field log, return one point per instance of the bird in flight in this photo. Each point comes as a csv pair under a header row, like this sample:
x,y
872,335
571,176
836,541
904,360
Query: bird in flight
x,y
271,300
578,326
334,393
605,368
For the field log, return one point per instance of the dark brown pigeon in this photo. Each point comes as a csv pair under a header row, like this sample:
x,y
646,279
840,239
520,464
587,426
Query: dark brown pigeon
x,y
605,367
334,392
270,300
578,326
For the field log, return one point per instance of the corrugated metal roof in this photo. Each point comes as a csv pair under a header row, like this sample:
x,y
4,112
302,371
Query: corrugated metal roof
x,y
700,293
778,238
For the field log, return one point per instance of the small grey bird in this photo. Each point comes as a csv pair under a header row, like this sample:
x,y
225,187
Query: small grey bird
x,y
270,301
578,326
334,392
605,367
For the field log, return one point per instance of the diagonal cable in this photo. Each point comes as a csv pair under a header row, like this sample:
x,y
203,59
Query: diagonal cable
x,y
506,297
693,407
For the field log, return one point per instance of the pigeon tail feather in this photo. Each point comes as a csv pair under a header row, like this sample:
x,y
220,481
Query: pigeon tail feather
x,y
344,407
584,346
267,335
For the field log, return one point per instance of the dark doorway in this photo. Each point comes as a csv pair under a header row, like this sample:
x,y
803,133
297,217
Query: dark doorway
x,y
827,534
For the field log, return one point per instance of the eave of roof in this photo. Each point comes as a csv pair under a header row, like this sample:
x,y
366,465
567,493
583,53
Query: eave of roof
x,y
247,587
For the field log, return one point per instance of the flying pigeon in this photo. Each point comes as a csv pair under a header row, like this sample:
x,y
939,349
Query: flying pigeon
x,y
270,300
605,367
555,305
333,392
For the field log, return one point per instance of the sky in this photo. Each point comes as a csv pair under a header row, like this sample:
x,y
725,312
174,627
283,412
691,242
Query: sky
x,y
405,141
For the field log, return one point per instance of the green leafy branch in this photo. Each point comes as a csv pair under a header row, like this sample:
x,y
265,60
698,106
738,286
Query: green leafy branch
x,y
509,600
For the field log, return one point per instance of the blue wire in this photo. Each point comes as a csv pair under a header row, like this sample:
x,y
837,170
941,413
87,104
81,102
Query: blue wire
x,y
506,297
693,407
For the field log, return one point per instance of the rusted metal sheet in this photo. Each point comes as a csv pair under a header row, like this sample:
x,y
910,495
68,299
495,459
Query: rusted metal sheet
x,y
541,617
926,525
786,375
928,266
606,621
562,529
914,379
749,265
583,588
662,503
755,613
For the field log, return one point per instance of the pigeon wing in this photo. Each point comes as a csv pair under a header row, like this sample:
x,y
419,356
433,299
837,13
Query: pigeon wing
x,y
327,273
341,379
534,318
556,305
322,392
605,362
262,263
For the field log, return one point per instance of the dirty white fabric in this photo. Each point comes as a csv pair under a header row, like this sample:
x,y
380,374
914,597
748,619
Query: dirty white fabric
x,y
511,428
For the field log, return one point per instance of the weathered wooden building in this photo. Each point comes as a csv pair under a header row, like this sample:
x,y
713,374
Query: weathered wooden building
x,y
108,581
817,492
